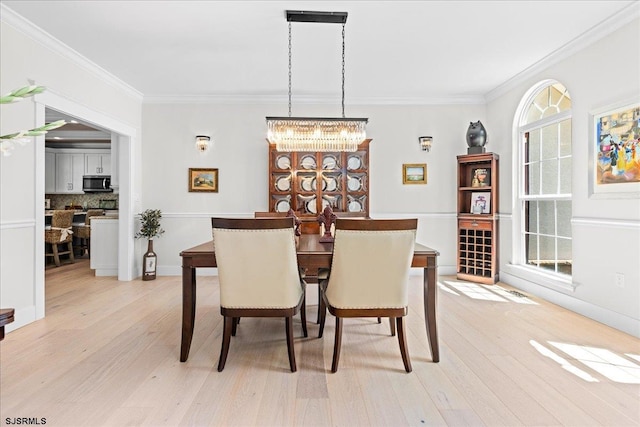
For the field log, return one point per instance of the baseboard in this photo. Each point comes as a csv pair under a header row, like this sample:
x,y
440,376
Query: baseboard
x,y
22,317
618,321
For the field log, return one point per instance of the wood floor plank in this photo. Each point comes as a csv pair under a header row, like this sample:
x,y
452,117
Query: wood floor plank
x,y
107,354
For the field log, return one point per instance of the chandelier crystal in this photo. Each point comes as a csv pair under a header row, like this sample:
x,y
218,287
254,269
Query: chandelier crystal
x,y
316,134
309,134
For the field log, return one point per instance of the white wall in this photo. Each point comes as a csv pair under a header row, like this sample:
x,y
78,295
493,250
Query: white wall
x,y
606,232
240,152
27,54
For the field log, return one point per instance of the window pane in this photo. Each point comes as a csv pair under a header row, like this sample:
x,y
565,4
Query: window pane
x,y
565,175
550,141
531,225
547,221
561,97
548,252
549,177
565,138
534,146
532,185
564,256
564,218
531,248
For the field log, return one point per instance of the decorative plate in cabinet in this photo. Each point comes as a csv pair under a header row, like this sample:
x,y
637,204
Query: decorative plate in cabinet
x,y
282,161
331,182
307,162
356,182
331,161
281,203
282,182
333,200
356,161
306,204
306,182
356,204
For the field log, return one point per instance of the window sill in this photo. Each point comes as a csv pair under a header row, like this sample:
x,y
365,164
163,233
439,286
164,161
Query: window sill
x,y
556,282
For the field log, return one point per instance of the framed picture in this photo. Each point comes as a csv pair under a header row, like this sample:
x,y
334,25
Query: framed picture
x,y
414,173
480,203
615,151
481,177
203,180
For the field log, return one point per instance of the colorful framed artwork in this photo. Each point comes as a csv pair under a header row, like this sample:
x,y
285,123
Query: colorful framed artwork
x,y
615,151
414,173
480,203
203,180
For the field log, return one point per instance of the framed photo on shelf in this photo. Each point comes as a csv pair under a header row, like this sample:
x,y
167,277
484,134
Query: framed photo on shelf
x,y
480,203
203,180
615,151
481,177
414,173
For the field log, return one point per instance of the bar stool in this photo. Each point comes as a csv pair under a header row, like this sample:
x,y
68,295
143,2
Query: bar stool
x,y
83,232
60,233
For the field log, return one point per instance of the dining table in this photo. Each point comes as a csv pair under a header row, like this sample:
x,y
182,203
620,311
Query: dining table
x,y
312,255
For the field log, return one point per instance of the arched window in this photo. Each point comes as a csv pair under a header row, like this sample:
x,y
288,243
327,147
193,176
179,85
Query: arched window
x,y
543,213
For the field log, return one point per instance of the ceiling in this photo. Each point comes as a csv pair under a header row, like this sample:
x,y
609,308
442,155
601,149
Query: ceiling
x,y
396,51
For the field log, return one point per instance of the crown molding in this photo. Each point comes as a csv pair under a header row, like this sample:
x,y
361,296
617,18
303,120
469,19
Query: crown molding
x,y
310,100
597,32
28,28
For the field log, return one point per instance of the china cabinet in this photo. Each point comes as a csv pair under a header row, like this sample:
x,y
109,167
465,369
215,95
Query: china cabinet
x,y
478,218
307,182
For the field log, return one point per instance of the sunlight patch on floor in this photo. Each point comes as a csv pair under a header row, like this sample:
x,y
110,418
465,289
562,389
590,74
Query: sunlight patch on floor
x,y
475,291
447,289
603,361
515,298
564,363
484,292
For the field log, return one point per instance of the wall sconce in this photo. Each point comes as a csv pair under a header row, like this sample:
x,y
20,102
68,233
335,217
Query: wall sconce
x,y
425,143
202,143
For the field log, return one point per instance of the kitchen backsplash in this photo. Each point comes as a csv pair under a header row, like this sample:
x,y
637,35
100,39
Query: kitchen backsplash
x,y
88,201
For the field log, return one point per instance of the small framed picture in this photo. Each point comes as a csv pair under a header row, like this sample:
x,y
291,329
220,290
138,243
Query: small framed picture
x,y
480,203
203,180
414,173
481,177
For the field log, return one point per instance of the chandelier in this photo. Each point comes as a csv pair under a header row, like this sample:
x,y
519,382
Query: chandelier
x,y
311,133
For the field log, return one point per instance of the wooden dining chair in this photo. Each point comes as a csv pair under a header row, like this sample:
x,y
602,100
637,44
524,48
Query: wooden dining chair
x,y
369,275
60,233
271,287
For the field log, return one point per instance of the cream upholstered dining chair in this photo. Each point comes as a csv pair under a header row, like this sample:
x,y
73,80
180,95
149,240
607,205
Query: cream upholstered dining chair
x,y
60,233
267,286
369,275
83,231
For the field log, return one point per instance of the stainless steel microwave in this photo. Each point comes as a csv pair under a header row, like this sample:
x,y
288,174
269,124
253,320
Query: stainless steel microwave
x,y
96,184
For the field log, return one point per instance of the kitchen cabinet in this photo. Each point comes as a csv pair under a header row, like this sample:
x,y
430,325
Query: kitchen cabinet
x,y
49,172
104,245
97,164
69,172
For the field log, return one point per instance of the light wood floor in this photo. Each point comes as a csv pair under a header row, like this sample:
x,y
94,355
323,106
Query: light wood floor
x,y
107,355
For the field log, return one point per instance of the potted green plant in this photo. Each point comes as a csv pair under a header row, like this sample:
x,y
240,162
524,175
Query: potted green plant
x,y
149,228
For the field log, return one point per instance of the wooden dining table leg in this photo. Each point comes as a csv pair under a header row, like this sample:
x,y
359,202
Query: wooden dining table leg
x,y
430,286
188,309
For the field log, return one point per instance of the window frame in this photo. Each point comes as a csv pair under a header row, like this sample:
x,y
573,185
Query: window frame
x,y
519,267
